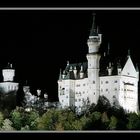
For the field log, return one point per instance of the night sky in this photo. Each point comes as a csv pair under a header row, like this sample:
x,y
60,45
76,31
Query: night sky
x,y
39,43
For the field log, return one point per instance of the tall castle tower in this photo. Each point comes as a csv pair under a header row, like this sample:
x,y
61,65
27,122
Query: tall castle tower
x,y
8,84
93,58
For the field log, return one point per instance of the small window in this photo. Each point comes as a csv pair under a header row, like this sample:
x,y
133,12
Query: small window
x,y
94,93
106,82
93,82
101,90
114,96
106,89
101,82
75,100
115,81
115,89
79,100
84,84
66,96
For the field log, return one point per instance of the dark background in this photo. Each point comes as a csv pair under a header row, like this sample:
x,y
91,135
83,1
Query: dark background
x,y
40,42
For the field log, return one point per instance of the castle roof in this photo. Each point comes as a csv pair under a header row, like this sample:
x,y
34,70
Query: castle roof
x,y
93,31
9,66
70,73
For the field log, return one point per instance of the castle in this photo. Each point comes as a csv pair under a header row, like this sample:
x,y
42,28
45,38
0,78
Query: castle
x,y
8,88
8,85
81,84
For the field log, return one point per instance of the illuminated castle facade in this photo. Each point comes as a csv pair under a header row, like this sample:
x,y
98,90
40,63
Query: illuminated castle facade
x,y
81,84
8,85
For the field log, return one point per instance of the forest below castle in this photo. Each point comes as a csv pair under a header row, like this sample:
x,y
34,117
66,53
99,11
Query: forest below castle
x,y
102,116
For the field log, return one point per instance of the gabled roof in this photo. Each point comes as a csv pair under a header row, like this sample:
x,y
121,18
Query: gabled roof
x,y
70,74
129,69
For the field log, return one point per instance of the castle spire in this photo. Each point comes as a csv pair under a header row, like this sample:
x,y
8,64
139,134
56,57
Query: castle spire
x,y
93,31
128,53
108,49
137,68
60,75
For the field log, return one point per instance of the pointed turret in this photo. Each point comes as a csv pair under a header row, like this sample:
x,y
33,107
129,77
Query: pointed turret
x,y
128,55
60,75
71,69
93,31
119,68
75,72
95,38
108,49
81,72
110,69
64,74
137,70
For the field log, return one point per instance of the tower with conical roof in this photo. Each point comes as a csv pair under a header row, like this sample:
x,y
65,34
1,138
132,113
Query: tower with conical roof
x,y
93,58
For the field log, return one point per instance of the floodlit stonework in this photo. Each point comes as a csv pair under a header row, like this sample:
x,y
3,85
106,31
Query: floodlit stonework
x,y
8,85
81,84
